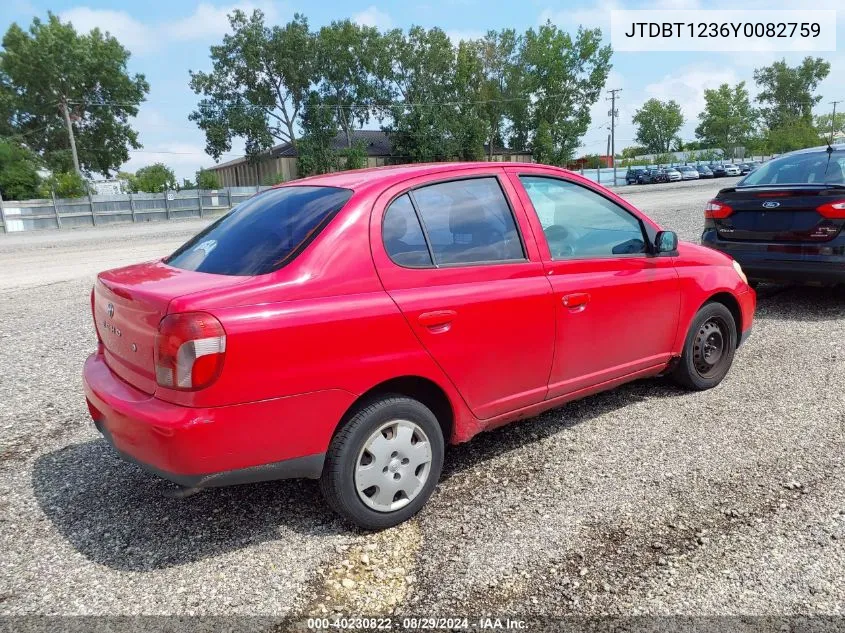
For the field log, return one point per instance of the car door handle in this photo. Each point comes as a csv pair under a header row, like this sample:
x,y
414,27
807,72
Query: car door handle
x,y
576,299
438,320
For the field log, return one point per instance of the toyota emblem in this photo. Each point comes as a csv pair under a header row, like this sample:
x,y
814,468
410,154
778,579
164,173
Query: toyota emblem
x,y
110,310
771,204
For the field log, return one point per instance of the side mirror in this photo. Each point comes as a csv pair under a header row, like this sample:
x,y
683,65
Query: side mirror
x,y
666,242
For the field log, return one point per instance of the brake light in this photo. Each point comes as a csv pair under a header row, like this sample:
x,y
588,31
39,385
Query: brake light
x,y
716,210
189,351
833,210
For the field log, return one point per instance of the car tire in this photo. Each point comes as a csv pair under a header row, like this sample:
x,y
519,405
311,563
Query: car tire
x,y
709,349
407,429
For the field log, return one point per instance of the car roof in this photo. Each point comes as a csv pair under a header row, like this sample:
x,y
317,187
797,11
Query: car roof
x,y
391,174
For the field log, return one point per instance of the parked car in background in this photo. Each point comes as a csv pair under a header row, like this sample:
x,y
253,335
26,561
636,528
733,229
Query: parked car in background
x,y
688,172
346,327
731,170
718,171
657,175
672,174
744,168
636,176
704,171
784,221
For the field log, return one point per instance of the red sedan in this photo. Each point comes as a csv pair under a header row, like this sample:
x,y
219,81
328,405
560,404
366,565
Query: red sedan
x,y
346,327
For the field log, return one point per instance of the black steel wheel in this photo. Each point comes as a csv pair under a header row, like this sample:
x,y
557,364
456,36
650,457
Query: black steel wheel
x,y
708,350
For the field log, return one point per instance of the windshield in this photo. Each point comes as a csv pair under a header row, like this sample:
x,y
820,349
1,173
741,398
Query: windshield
x,y
800,169
263,233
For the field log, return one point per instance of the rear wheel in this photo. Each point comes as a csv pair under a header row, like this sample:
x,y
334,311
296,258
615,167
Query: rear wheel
x,y
383,465
708,350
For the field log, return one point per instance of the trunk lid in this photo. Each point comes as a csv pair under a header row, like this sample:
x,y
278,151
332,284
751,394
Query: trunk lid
x,y
130,302
778,214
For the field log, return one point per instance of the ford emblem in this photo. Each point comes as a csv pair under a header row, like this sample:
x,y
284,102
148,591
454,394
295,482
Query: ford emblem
x,y
771,204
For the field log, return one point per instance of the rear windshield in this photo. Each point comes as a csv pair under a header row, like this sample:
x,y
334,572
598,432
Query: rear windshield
x,y
262,233
800,169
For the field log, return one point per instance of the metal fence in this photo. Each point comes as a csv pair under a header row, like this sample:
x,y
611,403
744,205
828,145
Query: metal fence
x,y
96,210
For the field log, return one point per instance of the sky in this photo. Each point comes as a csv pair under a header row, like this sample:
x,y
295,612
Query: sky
x,y
169,38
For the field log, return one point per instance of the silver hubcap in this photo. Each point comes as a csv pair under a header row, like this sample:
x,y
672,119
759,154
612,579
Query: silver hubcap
x,y
393,466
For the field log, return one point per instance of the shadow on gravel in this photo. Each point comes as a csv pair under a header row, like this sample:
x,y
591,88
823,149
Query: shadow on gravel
x,y
114,513
800,303
490,444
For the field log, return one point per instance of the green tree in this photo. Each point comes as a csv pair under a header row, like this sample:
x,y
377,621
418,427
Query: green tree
x,y
272,179
316,153
728,119
354,157
129,179
562,77
207,179
658,123
345,67
155,178
258,84
633,151
468,126
418,76
67,184
787,93
19,178
793,134
823,123
499,52
51,68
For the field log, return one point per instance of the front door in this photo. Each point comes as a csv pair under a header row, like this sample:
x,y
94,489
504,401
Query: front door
x,y
454,257
616,304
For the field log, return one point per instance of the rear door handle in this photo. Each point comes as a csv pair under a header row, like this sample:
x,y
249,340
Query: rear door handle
x,y
438,320
576,299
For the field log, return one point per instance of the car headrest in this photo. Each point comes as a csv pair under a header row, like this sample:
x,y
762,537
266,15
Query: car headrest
x,y
395,226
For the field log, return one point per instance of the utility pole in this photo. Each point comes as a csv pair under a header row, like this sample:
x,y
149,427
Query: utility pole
x,y
833,121
66,115
613,114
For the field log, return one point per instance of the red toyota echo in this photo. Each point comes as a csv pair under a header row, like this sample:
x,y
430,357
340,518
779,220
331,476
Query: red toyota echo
x,y
347,327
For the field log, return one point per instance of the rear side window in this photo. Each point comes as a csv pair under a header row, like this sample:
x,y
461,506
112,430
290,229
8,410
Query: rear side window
x,y
403,236
468,221
800,169
263,233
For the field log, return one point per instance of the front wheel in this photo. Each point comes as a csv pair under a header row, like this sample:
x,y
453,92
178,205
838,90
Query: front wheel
x,y
383,465
708,350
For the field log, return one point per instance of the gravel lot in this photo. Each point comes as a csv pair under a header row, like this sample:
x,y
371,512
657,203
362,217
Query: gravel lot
x,y
644,500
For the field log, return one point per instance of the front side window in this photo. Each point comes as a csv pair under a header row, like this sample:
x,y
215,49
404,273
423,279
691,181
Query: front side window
x,y
579,223
263,233
468,221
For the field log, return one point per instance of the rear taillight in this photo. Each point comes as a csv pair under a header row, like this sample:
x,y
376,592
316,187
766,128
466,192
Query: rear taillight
x,y
189,351
716,210
833,210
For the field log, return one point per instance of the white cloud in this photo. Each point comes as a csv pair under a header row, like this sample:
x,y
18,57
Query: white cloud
x,y
457,36
134,35
597,15
373,16
207,22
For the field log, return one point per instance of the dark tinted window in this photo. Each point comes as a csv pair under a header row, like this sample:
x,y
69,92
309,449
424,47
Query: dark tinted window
x,y
262,233
580,223
468,221
800,169
402,235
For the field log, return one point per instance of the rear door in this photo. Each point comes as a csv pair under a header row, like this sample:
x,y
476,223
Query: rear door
x,y
458,259
616,306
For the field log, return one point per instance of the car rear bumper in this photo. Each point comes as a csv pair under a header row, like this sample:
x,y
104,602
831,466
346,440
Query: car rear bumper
x,y
802,263
201,447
